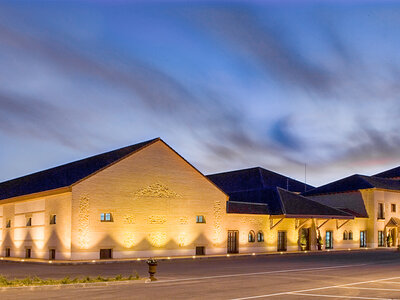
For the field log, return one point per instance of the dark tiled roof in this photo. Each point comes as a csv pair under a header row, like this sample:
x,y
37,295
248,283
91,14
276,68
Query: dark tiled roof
x,y
297,205
255,179
65,175
281,202
268,196
355,183
392,173
246,208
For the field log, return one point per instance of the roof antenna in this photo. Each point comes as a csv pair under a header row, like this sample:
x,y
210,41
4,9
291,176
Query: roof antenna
x,y
305,177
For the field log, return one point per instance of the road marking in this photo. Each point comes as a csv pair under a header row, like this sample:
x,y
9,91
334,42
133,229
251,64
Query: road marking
x,y
335,296
366,288
257,273
315,289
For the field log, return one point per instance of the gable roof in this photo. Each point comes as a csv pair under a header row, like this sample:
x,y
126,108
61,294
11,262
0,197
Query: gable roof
x,y
65,175
295,205
281,202
392,173
354,183
255,178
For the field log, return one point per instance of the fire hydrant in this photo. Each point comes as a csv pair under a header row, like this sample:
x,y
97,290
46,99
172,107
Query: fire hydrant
x,y
152,263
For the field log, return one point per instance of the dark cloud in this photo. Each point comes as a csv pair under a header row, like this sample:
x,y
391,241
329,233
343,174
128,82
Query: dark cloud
x,y
31,118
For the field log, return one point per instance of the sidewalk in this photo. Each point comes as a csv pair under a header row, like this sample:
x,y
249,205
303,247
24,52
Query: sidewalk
x,y
165,258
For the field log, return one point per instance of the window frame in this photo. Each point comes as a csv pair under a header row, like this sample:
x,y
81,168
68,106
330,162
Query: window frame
x,y
393,205
260,236
200,219
106,217
53,219
251,236
381,238
350,235
381,211
345,235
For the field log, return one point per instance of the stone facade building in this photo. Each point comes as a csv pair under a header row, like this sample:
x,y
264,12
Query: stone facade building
x,y
146,200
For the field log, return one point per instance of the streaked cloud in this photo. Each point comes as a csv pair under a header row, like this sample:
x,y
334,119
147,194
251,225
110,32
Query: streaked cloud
x,y
273,84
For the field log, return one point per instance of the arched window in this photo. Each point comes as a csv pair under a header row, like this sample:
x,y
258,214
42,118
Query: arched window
x,y
350,235
260,236
252,237
345,235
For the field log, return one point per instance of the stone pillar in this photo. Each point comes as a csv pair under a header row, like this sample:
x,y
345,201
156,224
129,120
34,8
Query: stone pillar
x,y
313,236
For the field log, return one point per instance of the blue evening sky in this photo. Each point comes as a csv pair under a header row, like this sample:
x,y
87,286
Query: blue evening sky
x,y
228,84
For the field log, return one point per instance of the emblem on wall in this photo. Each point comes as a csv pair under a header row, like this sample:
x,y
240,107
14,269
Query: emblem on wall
x,y
156,190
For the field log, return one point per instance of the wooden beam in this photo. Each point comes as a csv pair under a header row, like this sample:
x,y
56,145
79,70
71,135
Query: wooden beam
x,y
299,224
341,225
272,225
323,223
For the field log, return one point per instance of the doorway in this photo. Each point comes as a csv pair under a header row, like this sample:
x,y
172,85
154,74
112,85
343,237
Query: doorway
x,y
363,239
233,241
304,238
282,241
329,240
105,253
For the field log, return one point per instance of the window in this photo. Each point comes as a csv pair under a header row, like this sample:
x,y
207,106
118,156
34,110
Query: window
x,y
393,207
328,239
200,219
345,236
381,239
350,235
28,253
106,217
29,221
105,253
381,211
53,219
8,252
363,239
8,224
52,254
260,236
252,237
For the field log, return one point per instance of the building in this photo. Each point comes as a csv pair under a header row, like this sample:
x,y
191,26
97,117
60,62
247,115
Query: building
x,y
373,198
146,200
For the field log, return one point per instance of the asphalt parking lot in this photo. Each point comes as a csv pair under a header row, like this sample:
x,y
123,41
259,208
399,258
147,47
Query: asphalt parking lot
x,y
370,274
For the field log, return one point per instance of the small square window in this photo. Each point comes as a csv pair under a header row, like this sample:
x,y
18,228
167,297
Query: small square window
x,y
393,207
106,217
8,224
200,219
53,219
28,222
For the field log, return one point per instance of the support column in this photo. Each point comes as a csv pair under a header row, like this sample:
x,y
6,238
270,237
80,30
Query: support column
x,y
313,236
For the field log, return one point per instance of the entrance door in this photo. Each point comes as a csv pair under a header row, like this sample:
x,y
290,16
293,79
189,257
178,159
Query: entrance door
x,y
305,237
282,241
233,241
363,239
328,240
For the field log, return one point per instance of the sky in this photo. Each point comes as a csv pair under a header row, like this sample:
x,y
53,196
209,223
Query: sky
x,y
227,84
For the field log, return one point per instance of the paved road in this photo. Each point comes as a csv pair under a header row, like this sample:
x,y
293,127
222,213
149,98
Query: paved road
x,y
347,275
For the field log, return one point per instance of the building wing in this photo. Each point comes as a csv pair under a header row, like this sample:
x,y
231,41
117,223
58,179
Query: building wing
x,y
65,175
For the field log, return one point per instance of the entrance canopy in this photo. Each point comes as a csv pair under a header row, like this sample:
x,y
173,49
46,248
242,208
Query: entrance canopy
x,y
393,223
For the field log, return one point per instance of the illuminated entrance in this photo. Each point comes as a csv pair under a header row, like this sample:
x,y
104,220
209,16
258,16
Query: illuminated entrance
x,y
233,241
